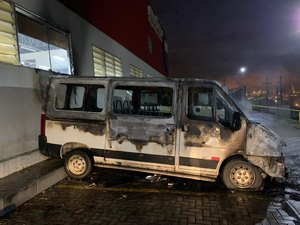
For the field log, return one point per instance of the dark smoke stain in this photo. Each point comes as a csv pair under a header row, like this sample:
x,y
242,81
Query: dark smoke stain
x,y
95,127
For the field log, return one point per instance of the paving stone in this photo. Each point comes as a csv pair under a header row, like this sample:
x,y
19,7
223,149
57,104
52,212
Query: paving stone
x,y
64,205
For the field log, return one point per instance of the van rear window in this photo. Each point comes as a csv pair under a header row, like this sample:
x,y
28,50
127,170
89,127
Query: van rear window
x,y
78,97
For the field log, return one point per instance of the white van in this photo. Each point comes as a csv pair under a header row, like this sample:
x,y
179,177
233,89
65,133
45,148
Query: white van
x,y
187,128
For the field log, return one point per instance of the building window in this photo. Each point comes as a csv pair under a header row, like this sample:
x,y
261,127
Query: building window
x,y
8,39
106,64
153,19
41,45
135,72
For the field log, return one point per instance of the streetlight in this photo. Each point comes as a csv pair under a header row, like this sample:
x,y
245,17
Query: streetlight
x,y
243,69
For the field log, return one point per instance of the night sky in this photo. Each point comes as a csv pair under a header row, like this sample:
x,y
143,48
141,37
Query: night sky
x,y
214,39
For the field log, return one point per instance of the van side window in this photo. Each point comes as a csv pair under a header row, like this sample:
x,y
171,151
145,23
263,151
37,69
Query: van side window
x,y
78,97
224,112
142,100
200,103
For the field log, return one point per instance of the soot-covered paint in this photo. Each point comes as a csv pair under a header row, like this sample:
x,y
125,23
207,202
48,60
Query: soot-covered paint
x,y
97,128
140,132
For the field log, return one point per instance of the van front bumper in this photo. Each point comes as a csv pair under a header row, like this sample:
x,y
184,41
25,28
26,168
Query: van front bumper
x,y
273,166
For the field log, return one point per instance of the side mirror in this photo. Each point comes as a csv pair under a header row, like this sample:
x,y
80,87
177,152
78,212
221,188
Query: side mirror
x,y
236,121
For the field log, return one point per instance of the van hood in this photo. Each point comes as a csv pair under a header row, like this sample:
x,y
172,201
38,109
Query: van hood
x,y
261,141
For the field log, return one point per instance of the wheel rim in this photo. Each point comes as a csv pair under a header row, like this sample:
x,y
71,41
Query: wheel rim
x,y
242,176
77,164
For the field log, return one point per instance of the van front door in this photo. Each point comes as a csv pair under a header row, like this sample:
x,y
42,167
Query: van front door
x,y
141,127
206,138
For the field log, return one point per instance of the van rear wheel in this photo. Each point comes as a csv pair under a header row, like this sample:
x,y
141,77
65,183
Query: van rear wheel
x,y
78,164
240,174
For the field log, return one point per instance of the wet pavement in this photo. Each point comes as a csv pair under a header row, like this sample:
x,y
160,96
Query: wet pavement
x,y
119,197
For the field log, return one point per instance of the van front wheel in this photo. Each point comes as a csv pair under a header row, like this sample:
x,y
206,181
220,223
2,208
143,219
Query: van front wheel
x,y
78,164
239,174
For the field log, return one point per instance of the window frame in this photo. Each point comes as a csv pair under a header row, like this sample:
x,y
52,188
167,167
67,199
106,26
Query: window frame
x,y
227,107
85,98
149,85
52,111
48,26
215,92
200,118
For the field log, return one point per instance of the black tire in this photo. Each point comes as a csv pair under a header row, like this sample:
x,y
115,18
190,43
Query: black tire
x,y
241,175
78,164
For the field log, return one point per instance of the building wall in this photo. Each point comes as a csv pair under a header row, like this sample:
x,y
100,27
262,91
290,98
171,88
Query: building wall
x,y
19,117
126,22
83,35
21,87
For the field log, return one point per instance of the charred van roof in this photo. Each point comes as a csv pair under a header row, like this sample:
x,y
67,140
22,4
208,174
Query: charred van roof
x,y
150,79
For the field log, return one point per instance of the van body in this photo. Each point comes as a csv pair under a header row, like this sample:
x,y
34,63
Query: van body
x,y
187,128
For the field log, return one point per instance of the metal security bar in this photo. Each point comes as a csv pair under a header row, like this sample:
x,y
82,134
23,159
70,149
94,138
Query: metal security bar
x,y
277,108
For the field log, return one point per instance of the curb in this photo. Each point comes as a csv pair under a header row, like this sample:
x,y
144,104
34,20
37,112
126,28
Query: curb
x,y
34,180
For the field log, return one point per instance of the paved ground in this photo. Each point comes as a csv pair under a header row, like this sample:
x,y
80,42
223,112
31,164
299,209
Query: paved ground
x,y
65,206
123,198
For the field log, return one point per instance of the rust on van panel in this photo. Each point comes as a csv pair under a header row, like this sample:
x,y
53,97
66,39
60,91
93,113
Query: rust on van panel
x,y
96,128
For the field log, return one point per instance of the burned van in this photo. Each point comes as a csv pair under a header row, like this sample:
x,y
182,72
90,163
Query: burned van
x,y
187,128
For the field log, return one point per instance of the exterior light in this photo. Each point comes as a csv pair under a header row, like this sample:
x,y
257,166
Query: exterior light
x,y
243,69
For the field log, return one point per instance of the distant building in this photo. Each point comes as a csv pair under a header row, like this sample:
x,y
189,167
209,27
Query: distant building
x,y
39,38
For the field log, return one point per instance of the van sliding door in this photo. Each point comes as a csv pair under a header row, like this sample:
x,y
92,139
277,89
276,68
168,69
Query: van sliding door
x,y
141,125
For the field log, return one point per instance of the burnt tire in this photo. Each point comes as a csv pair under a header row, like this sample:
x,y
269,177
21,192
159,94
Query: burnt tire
x,y
241,175
78,164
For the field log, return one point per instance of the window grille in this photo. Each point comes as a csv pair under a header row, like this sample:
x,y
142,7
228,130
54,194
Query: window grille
x,y
106,64
8,39
135,72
